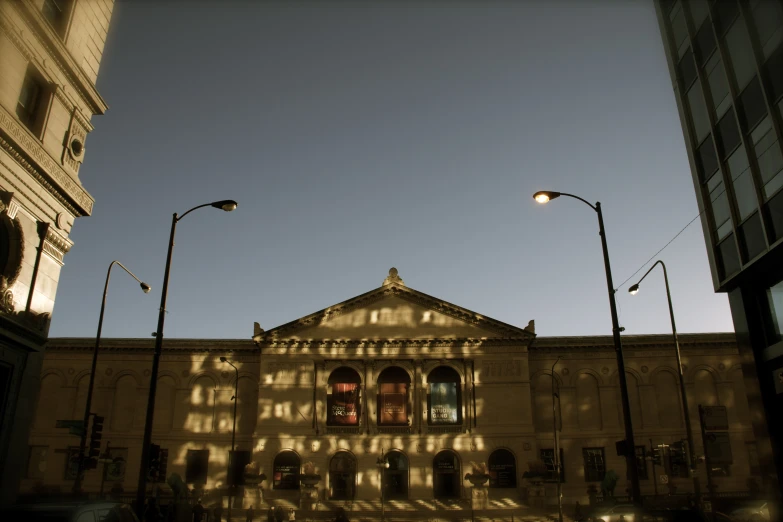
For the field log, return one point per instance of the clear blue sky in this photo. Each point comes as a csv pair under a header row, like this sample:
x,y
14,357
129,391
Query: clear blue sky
x,y
359,137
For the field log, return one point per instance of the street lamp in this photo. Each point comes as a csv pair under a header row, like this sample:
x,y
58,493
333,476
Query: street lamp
x,y
545,196
633,290
383,464
557,449
228,205
77,485
232,457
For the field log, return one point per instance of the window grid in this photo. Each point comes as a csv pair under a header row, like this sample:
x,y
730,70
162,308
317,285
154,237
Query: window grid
x,y
594,463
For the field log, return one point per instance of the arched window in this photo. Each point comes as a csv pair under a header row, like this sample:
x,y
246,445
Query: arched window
x,y
588,403
344,398
342,476
446,475
286,470
444,399
502,469
393,386
395,477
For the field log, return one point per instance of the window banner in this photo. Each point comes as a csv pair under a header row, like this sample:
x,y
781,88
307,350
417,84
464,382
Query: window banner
x,y
345,404
394,403
444,406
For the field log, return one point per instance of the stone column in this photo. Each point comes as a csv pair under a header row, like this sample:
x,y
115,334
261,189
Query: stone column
x,y
416,413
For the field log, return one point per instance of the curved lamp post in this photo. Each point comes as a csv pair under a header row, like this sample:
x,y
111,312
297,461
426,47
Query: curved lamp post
x,y
633,290
77,485
231,457
228,205
545,196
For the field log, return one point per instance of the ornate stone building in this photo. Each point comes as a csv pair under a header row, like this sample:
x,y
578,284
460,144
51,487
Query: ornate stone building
x,y
50,51
397,375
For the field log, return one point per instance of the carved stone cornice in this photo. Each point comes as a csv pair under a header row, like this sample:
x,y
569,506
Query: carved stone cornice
x,y
634,342
56,181
170,346
55,245
407,294
55,49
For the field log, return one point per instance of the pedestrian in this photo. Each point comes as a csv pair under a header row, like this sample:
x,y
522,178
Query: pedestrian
x,y
250,514
198,512
291,515
577,511
270,515
279,514
217,513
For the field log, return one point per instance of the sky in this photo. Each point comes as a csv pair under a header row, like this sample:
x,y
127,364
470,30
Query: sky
x,y
357,137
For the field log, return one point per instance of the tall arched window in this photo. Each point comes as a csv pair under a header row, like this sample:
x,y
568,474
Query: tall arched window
x,y
126,393
342,476
395,477
588,400
502,469
444,400
393,386
446,478
164,403
286,470
667,394
344,398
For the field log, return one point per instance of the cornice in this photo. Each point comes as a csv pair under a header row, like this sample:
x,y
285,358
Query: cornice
x,y
56,49
631,342
80,203
170,346
402,292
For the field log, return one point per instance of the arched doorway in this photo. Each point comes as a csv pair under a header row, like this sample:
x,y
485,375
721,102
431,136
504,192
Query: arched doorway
x,y
395,477
444,400
393,386
342,476
343,400
446,475
502,469
286,470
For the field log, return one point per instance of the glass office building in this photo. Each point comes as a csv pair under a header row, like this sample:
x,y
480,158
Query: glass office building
x,y
726,63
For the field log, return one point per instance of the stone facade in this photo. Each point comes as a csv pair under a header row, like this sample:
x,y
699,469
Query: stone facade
x,y
395,374
50,51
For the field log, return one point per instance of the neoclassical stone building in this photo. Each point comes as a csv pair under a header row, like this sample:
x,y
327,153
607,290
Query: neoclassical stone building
x,y
50,53
392,374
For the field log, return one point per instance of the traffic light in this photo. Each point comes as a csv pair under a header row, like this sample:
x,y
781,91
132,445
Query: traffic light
x,y
679,458
153,463
162,464
95,437
656,457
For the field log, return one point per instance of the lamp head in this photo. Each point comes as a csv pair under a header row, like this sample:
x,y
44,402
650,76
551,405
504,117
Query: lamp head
x,y
543,196
634,289
223,359
227,204
386,464
145,288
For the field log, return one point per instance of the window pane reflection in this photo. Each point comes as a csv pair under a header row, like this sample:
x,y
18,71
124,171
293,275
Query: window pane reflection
x,y
775,301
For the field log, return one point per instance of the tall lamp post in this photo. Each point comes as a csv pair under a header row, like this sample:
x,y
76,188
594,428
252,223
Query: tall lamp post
x,y
227,205
77,485
630,449
633,290
231,456
383,465
557,449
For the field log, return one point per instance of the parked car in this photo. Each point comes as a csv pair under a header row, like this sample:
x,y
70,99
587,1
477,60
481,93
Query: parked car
x,y
631,513
70,512
757,512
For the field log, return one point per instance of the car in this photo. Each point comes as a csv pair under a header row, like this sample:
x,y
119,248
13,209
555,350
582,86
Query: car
x,y
681,515
756,512
626,512
70,512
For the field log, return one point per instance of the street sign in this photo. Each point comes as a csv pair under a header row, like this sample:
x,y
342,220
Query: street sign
x,y
69,424
717,446
714,418
76,430
664,479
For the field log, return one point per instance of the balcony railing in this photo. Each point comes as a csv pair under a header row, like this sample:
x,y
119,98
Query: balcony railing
x,y
445,429
394,429
345,430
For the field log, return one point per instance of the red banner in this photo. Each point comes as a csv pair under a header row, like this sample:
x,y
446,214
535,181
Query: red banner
x,y
344,408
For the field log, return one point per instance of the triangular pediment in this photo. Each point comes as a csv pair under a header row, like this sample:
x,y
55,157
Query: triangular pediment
x,y
396,311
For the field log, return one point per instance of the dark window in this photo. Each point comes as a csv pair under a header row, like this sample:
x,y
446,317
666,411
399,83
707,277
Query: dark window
x,y
56,13
752,238
36,462
773,311
237,460
548,458
753,458
706,161
447,480
773,75
728,260
728,134
595,464
751,105
344,398
687,70
704,43
393,385
641,462
196,466
286,470
775,210
72,463
395,477
678,462
6,371
666,6
502,466
724,12
342,476
444,399
30,101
